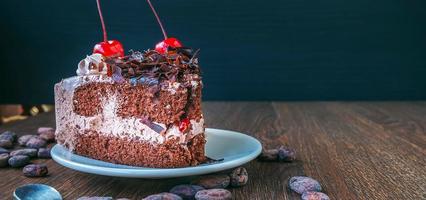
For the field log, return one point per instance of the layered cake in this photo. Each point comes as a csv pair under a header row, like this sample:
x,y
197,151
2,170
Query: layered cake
x,y
143,109
140,109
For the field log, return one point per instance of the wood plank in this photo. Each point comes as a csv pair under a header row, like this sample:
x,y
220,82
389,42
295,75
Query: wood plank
x,y
357,151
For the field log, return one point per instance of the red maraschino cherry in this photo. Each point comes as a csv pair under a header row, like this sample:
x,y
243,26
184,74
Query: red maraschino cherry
x,y
162,46
107,47
184,124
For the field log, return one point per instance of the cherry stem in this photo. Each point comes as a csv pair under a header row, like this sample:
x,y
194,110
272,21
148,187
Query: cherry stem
x,y
158,19
102,20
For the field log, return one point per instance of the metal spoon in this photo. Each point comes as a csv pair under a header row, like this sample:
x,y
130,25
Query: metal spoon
x,y
36,192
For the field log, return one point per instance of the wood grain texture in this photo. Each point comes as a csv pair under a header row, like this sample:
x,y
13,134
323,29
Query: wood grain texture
x,y
357,150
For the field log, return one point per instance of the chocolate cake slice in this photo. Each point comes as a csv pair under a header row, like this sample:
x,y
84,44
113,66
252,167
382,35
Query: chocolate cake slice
x,y
143,109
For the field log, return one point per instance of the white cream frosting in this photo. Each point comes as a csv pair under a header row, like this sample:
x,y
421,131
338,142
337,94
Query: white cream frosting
x,y
108,122
92,64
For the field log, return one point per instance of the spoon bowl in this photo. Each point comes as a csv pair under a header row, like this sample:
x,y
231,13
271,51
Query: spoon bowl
x,y
36,192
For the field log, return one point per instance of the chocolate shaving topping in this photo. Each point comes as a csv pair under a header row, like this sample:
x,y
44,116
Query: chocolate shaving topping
x,y
212,161
173,65
143,80
157,128
116,75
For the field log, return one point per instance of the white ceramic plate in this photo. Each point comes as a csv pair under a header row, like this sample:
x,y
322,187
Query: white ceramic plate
x,y
235,148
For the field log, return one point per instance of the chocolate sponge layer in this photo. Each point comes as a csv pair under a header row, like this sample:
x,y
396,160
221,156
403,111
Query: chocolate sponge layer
x,y
139,101
87,98
163,106
170,154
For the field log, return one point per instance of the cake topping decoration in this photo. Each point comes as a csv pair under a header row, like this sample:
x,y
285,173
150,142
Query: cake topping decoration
x,y
116,74
163,46
107,47
150,67
184,124
93,64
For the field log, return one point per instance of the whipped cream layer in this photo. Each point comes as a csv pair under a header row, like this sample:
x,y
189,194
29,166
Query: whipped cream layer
x,y
108,122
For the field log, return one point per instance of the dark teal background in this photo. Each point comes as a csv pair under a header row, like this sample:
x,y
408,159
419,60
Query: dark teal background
x,y
250,50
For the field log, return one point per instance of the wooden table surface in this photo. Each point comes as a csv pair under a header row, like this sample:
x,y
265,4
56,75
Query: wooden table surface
x,y
357,150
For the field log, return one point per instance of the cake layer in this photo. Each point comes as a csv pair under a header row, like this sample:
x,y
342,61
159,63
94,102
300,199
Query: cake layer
x,y
170,154
108,119
164,107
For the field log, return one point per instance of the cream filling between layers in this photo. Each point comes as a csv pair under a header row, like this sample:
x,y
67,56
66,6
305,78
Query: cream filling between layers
x,y
108,123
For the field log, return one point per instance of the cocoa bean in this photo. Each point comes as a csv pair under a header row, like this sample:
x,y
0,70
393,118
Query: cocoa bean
x,y
163,196
186,191
286,154
8,135
35,170
45,129
18,161
301,184
49,136
7,138
213,194
239,177
36,142
6,144
44,153
24,139
27,152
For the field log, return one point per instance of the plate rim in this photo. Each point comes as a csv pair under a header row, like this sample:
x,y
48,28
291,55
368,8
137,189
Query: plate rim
x,y
157,173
